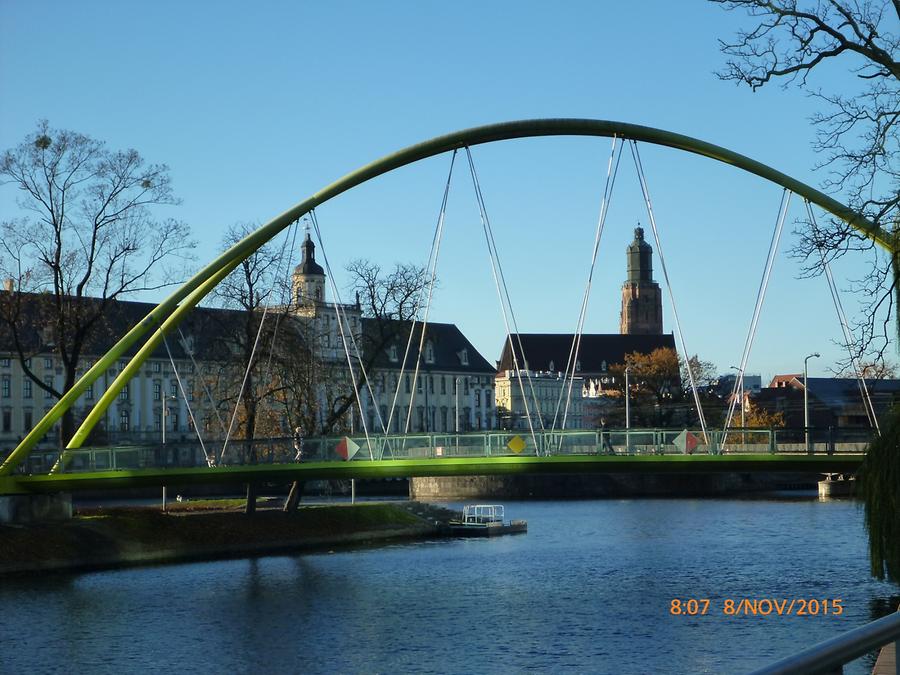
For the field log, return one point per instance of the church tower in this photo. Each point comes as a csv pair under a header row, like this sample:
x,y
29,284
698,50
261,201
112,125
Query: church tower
x,y
308,281
641,297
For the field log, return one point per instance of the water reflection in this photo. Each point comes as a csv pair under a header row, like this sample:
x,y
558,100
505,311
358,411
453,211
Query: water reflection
x,y
587,590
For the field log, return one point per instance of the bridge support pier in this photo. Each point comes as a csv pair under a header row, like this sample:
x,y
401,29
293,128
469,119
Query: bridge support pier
x,y
19,509
294,496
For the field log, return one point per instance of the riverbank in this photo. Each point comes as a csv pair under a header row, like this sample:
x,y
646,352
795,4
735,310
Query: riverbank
x,y
106,538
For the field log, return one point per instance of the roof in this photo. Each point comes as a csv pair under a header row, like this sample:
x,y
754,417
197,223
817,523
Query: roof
x,y
308,264
203,327
450,347
597,352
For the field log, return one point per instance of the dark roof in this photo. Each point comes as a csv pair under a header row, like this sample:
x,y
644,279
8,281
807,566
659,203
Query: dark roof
x,y
446,339
543,348
845,389
205,327
308,264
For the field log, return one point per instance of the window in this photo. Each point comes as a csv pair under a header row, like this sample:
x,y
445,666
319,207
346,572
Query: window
x,y
465,386
7,420
429,352
190,391
124,420
5,385
420,413
477,397
27,420
431,385
392,354
28,363
157,367
26,388
48,381
191,368
122,365
173,388
407,384
464,357
124,394
578,366
89,392
157,422
443,419
443,386
4,362
419,384
157,390
487,399
48,363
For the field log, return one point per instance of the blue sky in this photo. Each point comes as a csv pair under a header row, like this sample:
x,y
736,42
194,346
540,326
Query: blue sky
x,y
255,106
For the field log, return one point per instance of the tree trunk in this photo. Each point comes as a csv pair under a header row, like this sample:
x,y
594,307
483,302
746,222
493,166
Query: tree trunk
x,y
294,496
250,507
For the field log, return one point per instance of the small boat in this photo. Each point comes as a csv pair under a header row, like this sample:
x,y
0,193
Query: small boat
x,y
485,520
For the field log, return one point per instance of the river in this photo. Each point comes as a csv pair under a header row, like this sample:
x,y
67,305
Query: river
x,y
588,589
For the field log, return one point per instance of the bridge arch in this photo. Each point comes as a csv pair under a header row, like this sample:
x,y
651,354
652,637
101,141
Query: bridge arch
x,y
170,311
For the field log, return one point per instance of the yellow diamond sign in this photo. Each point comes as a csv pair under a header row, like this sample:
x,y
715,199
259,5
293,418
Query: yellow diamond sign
x,y
516,444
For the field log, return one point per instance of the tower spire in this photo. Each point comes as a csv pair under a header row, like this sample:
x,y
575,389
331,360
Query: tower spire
x,y
641,297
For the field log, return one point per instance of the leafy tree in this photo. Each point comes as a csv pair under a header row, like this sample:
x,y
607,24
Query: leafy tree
x,y
88,235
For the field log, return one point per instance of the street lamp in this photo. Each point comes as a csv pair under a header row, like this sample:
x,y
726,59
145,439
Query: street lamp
x,y
627,400
456,397
806,399
740,376
165,414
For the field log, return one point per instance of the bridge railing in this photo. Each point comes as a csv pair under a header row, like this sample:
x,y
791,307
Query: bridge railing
x,y
495,443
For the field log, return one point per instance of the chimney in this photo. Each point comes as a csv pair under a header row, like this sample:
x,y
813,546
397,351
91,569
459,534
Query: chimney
x,y
9,284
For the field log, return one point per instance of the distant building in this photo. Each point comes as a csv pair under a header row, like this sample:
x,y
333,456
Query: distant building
x,y
548,396
641,296
725,384
545,356
833,401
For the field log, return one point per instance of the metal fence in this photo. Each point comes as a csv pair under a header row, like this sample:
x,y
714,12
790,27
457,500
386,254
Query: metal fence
x,y
622,442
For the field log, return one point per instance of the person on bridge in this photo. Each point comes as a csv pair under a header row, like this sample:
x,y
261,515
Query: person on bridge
x,y
298,444
605,446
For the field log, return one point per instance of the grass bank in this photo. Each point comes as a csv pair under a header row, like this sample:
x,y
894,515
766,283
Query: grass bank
x,y
205,530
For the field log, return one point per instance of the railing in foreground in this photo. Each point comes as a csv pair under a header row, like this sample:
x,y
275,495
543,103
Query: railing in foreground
x,y
831,655
183,451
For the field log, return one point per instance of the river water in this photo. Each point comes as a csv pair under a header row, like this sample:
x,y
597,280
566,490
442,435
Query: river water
x,y
587,590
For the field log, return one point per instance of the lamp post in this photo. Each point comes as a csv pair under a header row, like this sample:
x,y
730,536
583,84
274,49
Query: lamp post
x,y
806,399
456,399
165,414
740,376
627,399
627,411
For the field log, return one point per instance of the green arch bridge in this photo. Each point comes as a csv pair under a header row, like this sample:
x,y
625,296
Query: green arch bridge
x,y
14,477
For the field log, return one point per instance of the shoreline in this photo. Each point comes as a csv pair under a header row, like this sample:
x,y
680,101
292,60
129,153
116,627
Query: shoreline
x,y
118,538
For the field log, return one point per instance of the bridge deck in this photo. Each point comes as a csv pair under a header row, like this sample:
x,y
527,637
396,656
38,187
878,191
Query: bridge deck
x,y
403,468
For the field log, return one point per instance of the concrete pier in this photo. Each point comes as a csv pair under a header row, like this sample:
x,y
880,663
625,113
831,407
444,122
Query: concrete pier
x,y
586,486
18,509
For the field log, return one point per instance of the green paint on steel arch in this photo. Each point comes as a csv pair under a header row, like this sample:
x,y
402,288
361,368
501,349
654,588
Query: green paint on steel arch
x,y
170,311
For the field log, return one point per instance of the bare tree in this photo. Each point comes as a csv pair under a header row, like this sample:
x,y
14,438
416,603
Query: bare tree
x,y
856,131
86,237
257,293
390,301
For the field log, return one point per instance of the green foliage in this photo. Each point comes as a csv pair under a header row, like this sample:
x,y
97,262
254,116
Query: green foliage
x,y
879,480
